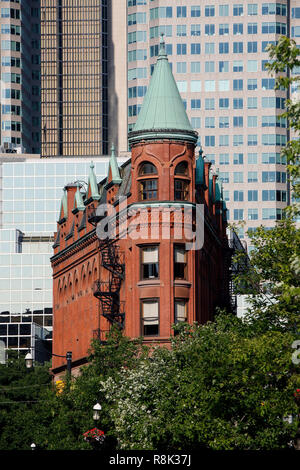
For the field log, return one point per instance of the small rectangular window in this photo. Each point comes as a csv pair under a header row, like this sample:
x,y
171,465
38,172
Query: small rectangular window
x,y
148,189
181,190
181,12
209,10
180,263
209,103
223,10
180,310
195,11
150,317
149,262
238,10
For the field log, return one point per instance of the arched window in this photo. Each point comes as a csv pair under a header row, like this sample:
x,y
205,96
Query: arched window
x,y
182,169
181,182
148,182
147,168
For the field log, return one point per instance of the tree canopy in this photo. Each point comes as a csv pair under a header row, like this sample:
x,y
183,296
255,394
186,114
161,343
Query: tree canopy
x,y
228,384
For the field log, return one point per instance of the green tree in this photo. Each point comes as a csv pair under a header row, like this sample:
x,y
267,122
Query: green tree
x,y
221,386
38,412
272,280
285,58
20,392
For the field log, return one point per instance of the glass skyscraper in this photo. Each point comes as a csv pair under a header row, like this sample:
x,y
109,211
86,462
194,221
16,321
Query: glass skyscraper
x,y
74,79
217,51
20,75
31,189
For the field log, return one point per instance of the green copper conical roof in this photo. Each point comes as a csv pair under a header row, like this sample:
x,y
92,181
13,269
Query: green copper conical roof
x,y
114,168
63,213
92,190
162,113
78,200
219,191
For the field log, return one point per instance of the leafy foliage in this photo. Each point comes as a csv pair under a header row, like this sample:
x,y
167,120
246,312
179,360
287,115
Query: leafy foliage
x,y
56,418
229,384
285,56
272,282
219,387
20,391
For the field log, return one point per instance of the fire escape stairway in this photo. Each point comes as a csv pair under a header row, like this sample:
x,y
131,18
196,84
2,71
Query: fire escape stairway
x,y
111,260
108,292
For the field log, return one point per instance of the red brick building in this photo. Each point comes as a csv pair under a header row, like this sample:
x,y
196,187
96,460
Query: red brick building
x,y
146,247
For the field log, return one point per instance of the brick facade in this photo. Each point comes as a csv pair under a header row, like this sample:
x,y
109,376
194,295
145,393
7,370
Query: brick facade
x,y
143,278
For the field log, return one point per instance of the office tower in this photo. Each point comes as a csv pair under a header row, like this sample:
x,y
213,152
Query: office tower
x,y
31,189
74,78
20,76
218,55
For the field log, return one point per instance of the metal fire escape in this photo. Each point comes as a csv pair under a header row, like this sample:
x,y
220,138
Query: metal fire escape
x,y
108,291
235,267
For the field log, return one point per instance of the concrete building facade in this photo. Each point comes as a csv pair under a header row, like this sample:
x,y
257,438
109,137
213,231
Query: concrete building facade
x,y
20,76
217,52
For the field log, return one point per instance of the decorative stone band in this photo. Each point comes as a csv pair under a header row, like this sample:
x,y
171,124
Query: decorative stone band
x,y
158,134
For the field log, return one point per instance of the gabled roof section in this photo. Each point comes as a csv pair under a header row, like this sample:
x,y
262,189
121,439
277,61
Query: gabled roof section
x,y
92,190
200,178
63,213
71,232
219,188
113,169
162,113
82,224
210,186
57,239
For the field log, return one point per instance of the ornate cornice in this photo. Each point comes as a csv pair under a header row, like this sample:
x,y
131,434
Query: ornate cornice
x,y
74,248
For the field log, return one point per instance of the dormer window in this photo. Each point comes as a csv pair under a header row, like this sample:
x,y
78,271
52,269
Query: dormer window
x,y
148,182
181,182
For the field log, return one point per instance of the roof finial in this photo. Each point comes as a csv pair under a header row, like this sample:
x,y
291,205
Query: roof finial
x,y
112,149
92,165
162,46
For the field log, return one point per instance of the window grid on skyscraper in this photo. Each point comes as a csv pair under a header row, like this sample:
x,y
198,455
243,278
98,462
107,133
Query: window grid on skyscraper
x,y
226,47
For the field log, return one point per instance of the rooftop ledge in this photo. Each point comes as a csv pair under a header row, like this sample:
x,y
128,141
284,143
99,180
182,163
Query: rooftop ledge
x,y
158,134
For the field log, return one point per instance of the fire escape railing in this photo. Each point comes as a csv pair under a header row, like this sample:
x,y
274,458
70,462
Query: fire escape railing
x,y
108,291
92,216
236,267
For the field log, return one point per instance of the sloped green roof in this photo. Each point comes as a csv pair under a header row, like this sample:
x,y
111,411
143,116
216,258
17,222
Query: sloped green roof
x,y
163,110
211,187
78,200
200,179
92,190
219,190
63,213
113,166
